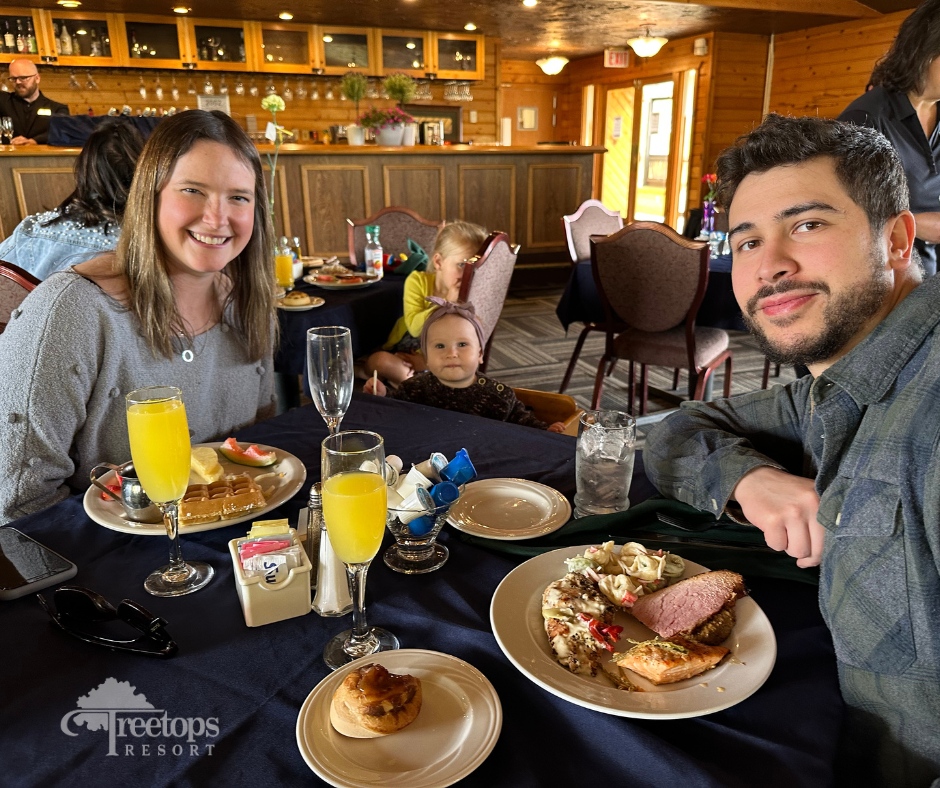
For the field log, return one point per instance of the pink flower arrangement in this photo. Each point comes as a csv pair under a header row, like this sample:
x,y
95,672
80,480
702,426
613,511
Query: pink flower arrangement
x,y
710,182
380,118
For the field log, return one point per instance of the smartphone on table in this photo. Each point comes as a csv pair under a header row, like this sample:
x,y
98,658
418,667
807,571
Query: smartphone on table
x,y
26,566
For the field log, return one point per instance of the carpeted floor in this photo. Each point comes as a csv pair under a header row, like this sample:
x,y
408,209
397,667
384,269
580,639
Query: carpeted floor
x,y
531,350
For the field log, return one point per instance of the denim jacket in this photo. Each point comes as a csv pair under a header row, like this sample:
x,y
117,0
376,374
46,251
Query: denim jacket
x,y
868,430
43,249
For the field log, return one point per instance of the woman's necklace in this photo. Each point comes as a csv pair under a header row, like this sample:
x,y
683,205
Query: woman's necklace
x,y
189,353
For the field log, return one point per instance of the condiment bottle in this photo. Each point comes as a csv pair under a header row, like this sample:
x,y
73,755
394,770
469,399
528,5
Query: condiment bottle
x,y
332,598
373,251
314,524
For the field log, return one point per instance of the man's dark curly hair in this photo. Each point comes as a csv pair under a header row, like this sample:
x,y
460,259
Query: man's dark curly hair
x,y
916,46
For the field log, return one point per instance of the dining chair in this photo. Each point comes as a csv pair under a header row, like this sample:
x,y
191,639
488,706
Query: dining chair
x,y
651,282
551,407
485,283
591,218
15,285
396,225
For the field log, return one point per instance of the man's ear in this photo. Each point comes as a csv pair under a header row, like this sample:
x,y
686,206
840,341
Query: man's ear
x,y
900,230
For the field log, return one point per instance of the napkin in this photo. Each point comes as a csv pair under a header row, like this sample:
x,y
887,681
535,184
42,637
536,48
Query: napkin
x,y
417,260
640,524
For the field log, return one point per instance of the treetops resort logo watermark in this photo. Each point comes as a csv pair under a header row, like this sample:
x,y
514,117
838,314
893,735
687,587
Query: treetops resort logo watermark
x,y
135,727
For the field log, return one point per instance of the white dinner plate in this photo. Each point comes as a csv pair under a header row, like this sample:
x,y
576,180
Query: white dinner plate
x,y
456,729
516,618
290,478
315,301
509,509
339,285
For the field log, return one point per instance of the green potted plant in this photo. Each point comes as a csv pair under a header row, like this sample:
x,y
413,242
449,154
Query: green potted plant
x,y
353,86
402,88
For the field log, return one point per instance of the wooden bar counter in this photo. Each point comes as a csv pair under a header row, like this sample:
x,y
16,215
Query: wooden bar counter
x,y
523,191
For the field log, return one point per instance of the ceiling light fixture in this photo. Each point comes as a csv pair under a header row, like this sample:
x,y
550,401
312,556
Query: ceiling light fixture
x,y
647,45
328,39
530,3
285,15
552,65
469,26
410,45
69,3
181,9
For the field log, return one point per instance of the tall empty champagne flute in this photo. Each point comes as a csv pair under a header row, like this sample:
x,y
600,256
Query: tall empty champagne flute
x,y
330,372
354,506
159,438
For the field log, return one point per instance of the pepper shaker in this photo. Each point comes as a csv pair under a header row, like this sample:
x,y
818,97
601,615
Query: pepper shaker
x,y
314,524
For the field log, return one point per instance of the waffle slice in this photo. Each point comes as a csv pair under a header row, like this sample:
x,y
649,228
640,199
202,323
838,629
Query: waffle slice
x,y
229,497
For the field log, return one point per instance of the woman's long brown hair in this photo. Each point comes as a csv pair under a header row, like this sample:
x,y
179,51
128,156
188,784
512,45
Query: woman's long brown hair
x,y
141,257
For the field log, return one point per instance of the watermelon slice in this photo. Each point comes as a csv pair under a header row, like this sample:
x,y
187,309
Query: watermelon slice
x,y
253,455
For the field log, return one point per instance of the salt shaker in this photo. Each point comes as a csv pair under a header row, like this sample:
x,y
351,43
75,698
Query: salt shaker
x,y
332,597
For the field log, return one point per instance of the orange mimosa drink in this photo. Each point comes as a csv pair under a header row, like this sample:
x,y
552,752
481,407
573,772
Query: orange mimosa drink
x,y
284,270
160,447
354,506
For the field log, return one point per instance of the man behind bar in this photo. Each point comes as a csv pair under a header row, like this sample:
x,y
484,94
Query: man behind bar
x,y
28,107
840,468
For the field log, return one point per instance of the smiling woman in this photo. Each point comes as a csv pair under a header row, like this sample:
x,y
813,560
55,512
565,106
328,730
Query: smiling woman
x,y
186,299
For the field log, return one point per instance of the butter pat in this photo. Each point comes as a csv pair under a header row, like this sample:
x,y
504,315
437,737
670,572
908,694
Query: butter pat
x,y
269,528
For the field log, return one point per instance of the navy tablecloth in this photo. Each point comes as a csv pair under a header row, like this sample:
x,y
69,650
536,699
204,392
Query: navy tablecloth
x,y
252,681
370,312
581,303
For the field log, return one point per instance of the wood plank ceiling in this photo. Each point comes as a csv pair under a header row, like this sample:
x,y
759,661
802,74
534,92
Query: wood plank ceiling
x,y
573,28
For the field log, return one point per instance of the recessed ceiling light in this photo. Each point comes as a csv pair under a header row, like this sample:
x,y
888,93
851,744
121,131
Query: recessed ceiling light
x,y
69,3
530,3
181,9
285,15
469,26
327,39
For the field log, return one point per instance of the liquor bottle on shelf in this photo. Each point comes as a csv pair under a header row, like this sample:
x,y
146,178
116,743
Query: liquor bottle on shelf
x,y
135,47
76,45
55,38
20,38
31,45
9,40
65,41
241,46
203,50
94,44
106,44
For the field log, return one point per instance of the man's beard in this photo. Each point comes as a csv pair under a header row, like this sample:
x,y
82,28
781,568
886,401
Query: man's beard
x,y
843,318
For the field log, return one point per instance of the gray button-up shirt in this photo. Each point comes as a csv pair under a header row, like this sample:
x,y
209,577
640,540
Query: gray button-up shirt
x,y
868,430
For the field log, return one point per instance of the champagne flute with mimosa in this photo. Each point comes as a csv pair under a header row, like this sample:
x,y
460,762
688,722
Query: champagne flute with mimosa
x,y
160,447
354,508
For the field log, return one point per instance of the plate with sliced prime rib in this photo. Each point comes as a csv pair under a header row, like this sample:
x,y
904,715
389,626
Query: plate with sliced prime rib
x,y
632,632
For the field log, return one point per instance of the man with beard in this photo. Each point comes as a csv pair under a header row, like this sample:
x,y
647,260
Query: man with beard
x,y
840,468
28,107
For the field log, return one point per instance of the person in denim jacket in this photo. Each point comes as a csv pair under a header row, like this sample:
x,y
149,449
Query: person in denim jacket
x,y
840,468
88,221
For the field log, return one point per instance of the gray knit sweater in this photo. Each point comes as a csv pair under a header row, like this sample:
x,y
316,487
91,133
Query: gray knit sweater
x,y
68,356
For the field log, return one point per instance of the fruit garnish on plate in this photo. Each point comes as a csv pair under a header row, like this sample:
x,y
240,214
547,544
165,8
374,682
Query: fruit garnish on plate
x,y
253,455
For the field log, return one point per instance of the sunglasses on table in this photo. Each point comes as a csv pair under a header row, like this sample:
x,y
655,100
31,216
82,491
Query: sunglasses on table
x,y
78,610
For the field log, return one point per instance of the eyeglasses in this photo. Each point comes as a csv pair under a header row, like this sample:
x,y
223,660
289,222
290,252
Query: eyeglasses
x,y
79,610
22,79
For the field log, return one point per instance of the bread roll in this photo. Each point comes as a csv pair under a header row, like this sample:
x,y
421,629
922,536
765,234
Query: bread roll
x,y
373,702
295,298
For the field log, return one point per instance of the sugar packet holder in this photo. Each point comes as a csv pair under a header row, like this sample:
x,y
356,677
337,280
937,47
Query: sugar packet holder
x,y
277,593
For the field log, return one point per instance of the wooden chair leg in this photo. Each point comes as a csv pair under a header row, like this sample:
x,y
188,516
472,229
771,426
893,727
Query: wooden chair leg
x,y
728,366
675,378
574,356
644,388
631,388
598,383
765,376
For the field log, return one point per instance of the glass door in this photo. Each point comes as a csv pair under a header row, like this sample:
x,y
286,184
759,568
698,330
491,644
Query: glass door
x,y
653,122
618,139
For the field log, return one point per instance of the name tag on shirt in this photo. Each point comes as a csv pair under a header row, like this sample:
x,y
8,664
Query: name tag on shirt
x,y
44,111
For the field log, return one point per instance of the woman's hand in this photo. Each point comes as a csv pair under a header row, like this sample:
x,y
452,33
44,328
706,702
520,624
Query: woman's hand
x,y
558,426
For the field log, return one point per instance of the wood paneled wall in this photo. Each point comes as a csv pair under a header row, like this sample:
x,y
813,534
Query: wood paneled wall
x,y
117,87
821,70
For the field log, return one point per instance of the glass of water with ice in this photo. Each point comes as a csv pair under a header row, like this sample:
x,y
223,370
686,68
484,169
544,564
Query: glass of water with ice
x,y
604,462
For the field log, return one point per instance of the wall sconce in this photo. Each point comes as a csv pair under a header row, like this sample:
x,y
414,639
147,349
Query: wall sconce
x,y
552,65
700,47
647,45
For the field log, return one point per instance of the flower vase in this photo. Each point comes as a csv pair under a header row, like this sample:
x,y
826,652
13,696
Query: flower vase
x,y
410,135
708,217
355,135
391,135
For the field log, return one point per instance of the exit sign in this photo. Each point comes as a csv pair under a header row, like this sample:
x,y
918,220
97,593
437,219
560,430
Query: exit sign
x,y
616,58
